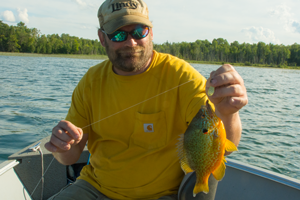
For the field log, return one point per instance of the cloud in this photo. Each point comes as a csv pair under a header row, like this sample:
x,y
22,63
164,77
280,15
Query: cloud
x,y
260,34
81,3
23,16
85,27
8,16
296,25
286,18
86,4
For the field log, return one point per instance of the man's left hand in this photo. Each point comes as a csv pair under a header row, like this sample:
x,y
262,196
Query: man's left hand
x,y
230,93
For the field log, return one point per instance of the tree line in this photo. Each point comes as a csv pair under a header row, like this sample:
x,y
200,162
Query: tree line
x,y
219,50
22,39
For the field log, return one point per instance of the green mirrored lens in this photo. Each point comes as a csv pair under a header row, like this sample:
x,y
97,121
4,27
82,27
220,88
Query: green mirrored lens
x,y
138,33
119,36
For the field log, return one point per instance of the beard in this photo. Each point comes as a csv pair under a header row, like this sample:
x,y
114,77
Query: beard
x,y
130,59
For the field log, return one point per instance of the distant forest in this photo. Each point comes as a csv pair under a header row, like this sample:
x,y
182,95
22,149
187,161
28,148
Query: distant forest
x,y
20,38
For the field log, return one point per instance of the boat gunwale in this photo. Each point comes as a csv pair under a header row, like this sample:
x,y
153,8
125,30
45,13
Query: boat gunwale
x,y
7,165
264,173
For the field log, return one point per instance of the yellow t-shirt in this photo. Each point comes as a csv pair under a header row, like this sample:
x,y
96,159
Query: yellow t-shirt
x,y
134,123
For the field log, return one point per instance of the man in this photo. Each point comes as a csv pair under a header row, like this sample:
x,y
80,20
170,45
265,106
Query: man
x,y
132,108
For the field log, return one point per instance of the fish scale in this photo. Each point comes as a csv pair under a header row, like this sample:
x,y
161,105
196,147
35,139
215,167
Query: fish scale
x,y
202,148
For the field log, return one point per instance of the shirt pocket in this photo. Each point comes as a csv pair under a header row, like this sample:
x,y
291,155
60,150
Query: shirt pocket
x,y
150,130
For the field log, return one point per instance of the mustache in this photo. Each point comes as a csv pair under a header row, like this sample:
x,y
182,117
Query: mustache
x,y
129,50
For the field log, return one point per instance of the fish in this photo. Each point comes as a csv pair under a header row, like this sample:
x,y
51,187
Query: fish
x,y
202,147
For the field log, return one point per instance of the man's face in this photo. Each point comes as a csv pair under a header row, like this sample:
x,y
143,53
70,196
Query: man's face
x,y
132,55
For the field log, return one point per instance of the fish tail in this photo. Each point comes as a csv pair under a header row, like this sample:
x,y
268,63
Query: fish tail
x,y
201,186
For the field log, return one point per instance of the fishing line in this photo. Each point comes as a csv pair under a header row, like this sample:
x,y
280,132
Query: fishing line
x,y
137,104
111,116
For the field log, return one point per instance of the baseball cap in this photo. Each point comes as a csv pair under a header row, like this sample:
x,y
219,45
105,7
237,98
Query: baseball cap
x,y
114,14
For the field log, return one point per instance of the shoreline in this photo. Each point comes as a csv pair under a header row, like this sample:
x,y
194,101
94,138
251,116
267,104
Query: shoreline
x,y
243,64
103,57
75,56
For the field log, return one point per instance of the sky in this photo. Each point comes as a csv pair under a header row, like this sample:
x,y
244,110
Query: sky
x,y
249,21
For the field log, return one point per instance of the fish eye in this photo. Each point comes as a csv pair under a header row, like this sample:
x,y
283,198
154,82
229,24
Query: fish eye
x,y
205,131
202,116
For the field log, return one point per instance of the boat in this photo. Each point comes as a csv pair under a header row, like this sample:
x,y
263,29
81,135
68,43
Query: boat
x,y
33,173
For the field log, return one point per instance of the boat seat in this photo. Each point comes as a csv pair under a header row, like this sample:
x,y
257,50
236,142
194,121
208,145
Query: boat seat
x,y
73,171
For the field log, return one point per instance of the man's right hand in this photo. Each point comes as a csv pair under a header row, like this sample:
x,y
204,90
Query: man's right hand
x,y
64,136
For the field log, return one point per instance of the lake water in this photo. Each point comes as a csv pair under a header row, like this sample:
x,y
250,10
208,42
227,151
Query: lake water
x,y
35,93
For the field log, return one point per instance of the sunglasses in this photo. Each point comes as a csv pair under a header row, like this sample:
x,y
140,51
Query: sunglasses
x,y
138,33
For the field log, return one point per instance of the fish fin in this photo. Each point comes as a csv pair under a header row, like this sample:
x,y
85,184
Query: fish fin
x,y
185,167
220,171
180,149
230,146
182,156
201,186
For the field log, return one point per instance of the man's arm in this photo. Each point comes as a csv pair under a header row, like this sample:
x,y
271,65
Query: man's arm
x,y
229,97
67,142
233,127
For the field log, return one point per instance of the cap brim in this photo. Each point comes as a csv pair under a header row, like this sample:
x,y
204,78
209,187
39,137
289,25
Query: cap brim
x,y
117,23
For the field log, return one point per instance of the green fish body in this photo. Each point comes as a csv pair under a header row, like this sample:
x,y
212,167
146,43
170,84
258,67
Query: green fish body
x,y
202,148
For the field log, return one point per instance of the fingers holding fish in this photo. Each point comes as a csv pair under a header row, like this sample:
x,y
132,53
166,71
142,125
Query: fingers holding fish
x,y
229,99
223,69
212,73
225,88
228,91
235,94
225,75
232,92
239,102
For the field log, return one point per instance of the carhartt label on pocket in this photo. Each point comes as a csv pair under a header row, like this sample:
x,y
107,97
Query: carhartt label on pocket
x,y
148,128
